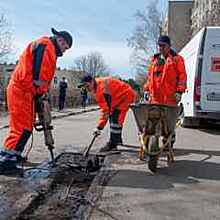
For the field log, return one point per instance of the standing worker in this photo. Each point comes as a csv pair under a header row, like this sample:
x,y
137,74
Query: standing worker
x,y
113,97
62,93
30,80
166,81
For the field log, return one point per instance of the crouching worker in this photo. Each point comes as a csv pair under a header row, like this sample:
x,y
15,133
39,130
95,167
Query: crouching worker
x,y
113,97
31,78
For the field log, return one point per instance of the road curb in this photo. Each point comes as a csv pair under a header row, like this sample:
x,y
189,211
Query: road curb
x,y
98,184
74,113
64,115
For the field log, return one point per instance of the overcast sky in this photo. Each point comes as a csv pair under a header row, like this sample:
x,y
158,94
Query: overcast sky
x,y
96,25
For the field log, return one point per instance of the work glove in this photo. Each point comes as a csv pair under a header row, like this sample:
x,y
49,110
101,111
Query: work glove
x,y
178,96
96,132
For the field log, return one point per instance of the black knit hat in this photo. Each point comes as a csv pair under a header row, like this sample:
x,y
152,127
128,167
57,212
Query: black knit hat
x,y
164,39
64,34
86,78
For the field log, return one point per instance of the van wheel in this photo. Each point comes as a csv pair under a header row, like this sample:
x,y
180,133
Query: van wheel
x,y
188,122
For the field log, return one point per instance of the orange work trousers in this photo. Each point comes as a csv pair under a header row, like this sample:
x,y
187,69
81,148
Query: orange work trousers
x,y
21,118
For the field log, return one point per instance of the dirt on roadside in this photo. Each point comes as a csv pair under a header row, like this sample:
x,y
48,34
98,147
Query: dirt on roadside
x,y
66,194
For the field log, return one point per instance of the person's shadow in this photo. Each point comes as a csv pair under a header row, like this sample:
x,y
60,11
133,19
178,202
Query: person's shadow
x,y
181,171
184,152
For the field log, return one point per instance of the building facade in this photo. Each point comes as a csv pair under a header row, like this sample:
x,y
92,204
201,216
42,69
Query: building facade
x,y
73,93
178,23
5,72
205,13
185,18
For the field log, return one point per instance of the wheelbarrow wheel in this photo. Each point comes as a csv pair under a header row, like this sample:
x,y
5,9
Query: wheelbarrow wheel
x,y
152,163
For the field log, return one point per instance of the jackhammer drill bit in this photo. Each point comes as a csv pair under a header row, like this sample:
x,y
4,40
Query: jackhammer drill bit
x,y
50,148
49,141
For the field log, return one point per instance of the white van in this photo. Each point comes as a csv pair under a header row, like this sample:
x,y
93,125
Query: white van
x,y
201,101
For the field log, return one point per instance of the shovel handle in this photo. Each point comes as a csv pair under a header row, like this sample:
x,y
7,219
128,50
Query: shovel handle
x,y
86,151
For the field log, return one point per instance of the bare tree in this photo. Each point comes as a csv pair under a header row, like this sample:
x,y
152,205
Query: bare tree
x,y
5,37
143,40
92,63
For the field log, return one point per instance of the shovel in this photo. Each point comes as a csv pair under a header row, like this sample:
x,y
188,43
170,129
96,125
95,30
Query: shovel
x,y
87,149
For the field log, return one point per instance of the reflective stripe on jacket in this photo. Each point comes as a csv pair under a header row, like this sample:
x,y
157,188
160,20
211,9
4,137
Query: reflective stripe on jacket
x,y
37,66
112,94
165,79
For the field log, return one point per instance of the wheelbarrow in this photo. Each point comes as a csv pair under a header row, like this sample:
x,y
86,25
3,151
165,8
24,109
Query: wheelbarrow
x,y
152,122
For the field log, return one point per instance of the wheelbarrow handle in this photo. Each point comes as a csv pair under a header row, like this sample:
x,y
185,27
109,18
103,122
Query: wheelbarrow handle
x,y
87,149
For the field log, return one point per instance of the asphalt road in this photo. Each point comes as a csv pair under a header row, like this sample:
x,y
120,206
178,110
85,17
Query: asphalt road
x,y
74,132
189,189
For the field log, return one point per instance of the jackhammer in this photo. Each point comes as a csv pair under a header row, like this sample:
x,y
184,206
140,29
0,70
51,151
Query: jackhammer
x,y
43,110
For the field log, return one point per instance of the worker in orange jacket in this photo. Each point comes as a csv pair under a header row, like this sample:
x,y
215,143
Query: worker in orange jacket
x,y
30,79
166,80
113,97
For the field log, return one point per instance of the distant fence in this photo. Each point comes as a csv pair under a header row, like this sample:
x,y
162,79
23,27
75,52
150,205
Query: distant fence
x,y
73,99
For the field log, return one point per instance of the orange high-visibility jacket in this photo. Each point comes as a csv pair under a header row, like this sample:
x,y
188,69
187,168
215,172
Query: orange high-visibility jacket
x,y
37,63
112,94
165,79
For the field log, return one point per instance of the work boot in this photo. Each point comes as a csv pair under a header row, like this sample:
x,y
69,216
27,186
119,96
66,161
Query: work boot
x,y
10,168
8,163
21,159
108,147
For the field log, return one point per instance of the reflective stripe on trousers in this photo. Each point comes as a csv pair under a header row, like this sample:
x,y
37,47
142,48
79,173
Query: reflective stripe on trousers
x,y
115,128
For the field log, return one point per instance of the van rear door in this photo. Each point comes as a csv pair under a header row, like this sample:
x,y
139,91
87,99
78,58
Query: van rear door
x,y
210,77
